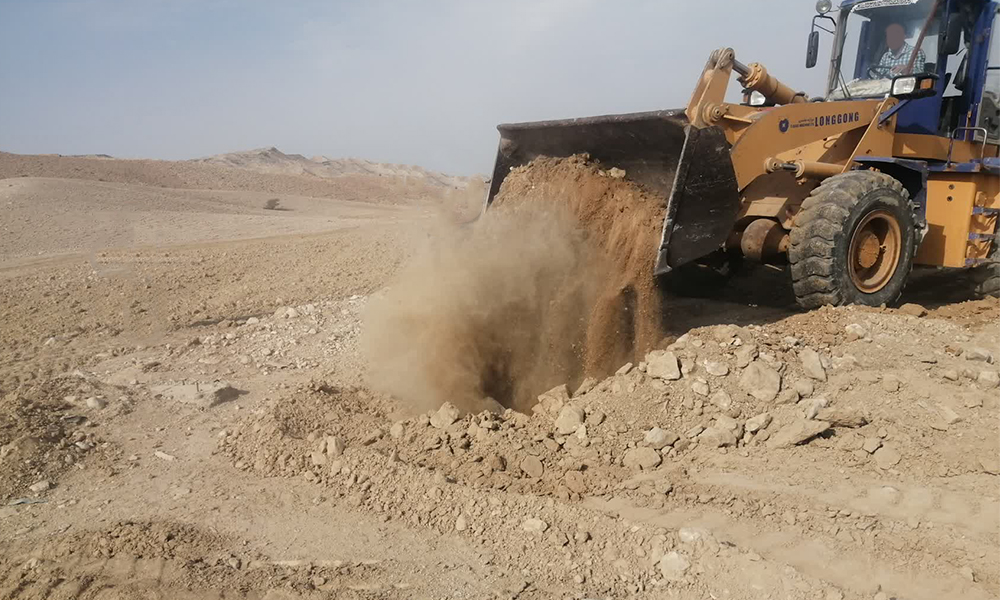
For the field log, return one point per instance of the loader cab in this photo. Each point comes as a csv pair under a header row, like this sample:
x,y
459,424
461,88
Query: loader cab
x,y
863,64
946,38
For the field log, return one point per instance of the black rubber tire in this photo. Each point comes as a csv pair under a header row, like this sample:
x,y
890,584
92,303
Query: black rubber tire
x,y
987,276
822,232
704,278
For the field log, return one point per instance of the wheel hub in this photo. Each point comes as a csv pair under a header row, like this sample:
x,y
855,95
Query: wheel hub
x,y
874,251
868,250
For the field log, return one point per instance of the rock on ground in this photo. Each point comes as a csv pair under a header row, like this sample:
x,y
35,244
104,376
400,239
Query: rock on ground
x,y
663,365
871,444
716,368
850,418
673,566
569,420
761,381
988,379
886,457
644,458
855,332
758,422
445,416
798,432
41,486
804,387
658,439
532,466
978,354
914,310
812,364
534,525
716,437
585,386
553,400
722,400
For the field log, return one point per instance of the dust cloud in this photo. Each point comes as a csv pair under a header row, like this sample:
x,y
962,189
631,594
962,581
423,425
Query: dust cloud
x,y
551,285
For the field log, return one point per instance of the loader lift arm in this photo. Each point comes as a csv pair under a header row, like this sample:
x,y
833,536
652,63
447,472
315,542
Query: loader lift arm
x,y
707,106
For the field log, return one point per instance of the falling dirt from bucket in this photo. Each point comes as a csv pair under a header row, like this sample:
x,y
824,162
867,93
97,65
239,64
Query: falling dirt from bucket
x,y
553,284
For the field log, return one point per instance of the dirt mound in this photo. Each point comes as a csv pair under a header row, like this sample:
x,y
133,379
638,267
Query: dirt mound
x,y
656,448
148,540
281,440
553,285
432,470
41,436
141,559
319,431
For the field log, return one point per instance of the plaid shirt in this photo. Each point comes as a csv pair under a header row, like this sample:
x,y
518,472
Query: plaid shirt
x,y
903,58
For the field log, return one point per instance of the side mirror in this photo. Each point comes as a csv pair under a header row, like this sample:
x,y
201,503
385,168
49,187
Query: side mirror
x,y
950,38
812,49
911,87
961,73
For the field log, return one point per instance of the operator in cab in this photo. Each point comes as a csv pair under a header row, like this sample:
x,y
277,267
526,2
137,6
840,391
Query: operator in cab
x,y
898,54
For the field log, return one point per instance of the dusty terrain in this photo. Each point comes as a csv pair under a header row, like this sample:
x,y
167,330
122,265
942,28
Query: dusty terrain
x,y
272,160
186,411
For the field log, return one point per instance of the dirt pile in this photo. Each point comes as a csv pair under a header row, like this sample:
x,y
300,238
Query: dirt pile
x,y
554,284
43,433
142,559
431,471
737,402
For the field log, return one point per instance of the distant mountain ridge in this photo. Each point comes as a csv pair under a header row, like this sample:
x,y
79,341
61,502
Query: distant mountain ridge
x,y
272,160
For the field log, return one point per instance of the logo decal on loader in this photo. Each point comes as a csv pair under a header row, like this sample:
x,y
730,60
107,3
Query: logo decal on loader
x,y
837,119
821,121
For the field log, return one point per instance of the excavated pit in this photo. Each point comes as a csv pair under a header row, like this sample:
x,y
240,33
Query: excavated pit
x,y
552,285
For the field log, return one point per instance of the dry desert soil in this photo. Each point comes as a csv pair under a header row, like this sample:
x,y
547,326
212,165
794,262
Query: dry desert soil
x,y
187,411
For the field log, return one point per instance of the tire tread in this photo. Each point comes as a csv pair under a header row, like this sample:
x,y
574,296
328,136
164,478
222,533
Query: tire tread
x,y
819,225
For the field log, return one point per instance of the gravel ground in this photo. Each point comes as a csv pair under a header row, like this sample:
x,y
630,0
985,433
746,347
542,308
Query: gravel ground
x,y
191,418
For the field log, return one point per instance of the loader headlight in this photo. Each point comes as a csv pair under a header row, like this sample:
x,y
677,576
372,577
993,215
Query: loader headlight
x,y
902,86
824,6
757,99
910,87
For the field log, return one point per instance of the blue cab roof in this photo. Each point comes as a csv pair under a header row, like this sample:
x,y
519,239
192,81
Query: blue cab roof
x,y
850,3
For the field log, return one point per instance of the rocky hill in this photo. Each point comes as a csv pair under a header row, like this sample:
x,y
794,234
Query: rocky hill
x,y
272,160
251,173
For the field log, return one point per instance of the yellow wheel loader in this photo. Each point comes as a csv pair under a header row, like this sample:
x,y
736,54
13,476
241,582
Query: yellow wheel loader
x,y
896,165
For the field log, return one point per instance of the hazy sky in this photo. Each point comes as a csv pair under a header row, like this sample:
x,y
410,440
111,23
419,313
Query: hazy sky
x,y
418,82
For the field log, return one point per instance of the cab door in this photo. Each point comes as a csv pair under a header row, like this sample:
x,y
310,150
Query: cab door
x,y
988,111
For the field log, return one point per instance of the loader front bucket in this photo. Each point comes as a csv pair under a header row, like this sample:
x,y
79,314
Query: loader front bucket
x,y
689,168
